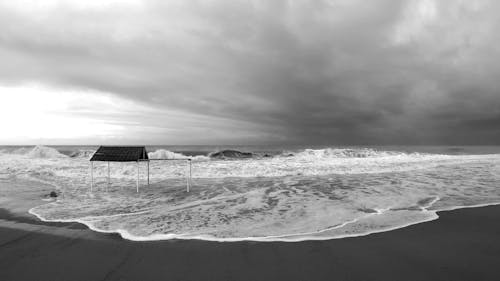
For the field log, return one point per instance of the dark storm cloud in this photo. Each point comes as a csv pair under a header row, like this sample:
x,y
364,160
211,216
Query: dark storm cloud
x,y
386,71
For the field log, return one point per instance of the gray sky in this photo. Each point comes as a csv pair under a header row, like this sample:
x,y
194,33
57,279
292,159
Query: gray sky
x,y
250,72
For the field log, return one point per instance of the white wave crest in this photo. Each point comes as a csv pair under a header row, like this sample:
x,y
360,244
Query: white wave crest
x,y
44,152
348,153
167,154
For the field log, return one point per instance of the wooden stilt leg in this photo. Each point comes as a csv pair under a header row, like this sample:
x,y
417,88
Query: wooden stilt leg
x,y
187,179
137,176
148,173
108,179
91,176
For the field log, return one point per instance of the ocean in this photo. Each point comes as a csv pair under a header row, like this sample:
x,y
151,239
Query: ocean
x,y
274,193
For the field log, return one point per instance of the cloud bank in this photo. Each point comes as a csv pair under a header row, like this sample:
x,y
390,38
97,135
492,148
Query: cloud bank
x,y
305,71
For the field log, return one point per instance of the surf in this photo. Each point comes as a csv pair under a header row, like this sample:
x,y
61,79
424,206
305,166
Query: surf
x,y
307,194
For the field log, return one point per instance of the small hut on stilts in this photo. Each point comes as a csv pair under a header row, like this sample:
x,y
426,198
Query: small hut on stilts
x,y
127,154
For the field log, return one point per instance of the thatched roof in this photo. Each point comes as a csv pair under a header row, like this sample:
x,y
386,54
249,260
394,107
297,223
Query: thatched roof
x,y
120,154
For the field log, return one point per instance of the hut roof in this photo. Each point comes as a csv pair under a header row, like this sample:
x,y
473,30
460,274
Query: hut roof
x,y
120,154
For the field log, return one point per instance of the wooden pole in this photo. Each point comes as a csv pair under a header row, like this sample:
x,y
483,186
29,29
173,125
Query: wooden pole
x,y
137,176
188,176
190,172
148,173
108,179
91,176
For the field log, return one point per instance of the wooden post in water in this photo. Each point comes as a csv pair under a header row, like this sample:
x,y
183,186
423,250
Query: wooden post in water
x,y
137,176
187,179
91,176
188,176
148,173
109,182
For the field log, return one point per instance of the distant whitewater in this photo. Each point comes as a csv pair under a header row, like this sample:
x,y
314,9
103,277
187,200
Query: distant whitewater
x,y
280,195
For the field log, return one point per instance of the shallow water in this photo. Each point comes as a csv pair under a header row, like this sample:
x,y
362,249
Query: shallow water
x,y
292,196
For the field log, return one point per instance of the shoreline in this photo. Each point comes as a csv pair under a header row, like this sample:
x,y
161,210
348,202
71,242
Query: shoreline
x,y
301,237
290,238
462,244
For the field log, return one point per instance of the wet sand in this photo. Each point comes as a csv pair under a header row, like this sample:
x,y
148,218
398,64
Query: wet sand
x,y
461,245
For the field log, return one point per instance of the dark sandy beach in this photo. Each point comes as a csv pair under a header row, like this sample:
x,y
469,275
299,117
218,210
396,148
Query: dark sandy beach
x,y
461,245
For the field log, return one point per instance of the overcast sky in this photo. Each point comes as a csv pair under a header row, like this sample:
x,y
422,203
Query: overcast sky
x,y
250,72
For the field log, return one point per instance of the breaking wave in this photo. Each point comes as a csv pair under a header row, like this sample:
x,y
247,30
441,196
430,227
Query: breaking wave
x,y
347,153
226,154
231,154
41,152
167,154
